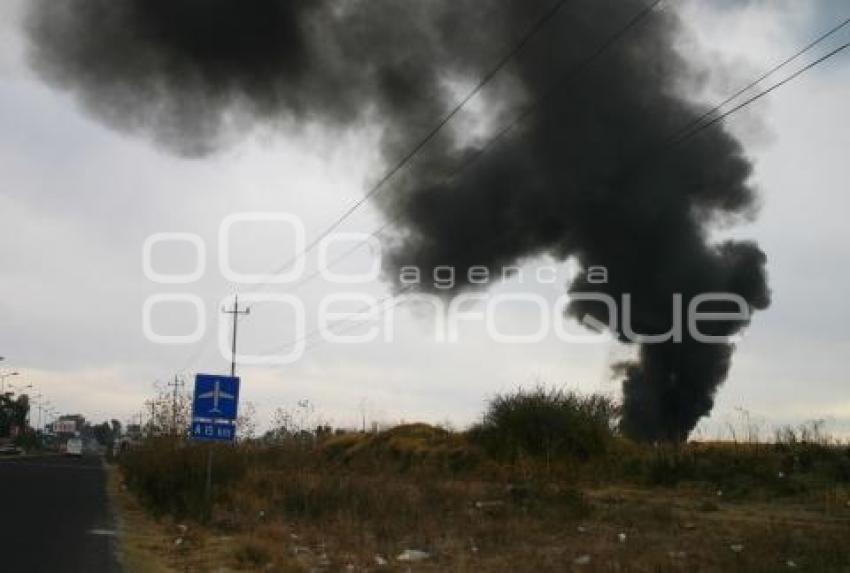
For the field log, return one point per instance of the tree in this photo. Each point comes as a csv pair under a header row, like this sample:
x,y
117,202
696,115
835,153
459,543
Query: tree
x,y
106,433
13,413
168,412
246,424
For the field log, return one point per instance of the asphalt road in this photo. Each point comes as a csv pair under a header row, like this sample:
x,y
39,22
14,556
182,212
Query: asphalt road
x,y
54,516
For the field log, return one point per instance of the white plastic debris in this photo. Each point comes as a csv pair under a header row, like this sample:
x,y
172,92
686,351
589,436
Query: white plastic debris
x,y
719,493
582,560
791,564
380,561
621,537
178,542
737,547
780,475
492,504
581,529
413,555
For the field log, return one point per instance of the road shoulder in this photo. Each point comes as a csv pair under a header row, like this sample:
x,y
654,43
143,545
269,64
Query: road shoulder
x,y
140,538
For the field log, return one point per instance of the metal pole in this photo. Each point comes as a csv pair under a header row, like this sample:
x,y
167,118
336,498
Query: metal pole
x,y
235,312
208,490
235,326
153,416
174,406
178,383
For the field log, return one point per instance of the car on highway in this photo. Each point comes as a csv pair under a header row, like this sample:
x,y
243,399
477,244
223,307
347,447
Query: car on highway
x,y
9,450
74,447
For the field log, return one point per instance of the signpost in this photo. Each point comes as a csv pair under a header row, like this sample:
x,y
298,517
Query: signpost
x,y
213,431
216,397
214,408
215,404
216,400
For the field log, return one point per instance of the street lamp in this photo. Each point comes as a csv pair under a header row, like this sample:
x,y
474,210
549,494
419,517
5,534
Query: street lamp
x,y
47,406
3,380
39,402
48,417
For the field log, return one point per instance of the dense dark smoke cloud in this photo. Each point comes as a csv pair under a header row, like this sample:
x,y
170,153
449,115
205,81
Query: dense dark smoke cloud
x,y
589,175
193,73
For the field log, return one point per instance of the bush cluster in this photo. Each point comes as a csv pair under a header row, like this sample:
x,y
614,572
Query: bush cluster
x,y
547,423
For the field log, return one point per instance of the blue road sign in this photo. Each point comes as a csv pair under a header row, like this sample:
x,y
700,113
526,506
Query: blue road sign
x,y
216,397
213,431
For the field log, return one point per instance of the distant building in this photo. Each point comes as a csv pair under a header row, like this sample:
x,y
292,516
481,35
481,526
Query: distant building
x,y
68,425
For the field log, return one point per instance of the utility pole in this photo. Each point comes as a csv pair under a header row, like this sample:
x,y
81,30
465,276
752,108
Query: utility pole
x,y
363,414
152,404
177,384
235,312
39,400
43,405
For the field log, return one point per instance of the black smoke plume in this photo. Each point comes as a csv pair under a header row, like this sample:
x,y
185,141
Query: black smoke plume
x,y
588,175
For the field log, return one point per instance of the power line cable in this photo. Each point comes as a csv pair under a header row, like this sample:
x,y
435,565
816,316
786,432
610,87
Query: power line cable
x,y
762,94
398,166
684,131
690,130
528,110
739,107
318,331
322,340
763,77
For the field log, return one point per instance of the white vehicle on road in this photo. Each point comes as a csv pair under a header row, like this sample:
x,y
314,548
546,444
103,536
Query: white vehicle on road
x,y
74,447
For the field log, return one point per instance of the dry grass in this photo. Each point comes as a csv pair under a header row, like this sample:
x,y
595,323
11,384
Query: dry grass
x,y
150,545
670,532
141,538
355,501
544,483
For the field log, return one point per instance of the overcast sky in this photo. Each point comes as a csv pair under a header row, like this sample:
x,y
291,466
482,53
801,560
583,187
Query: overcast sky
x,y
78,201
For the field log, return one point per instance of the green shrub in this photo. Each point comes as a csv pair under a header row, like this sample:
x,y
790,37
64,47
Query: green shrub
x,y
546,423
